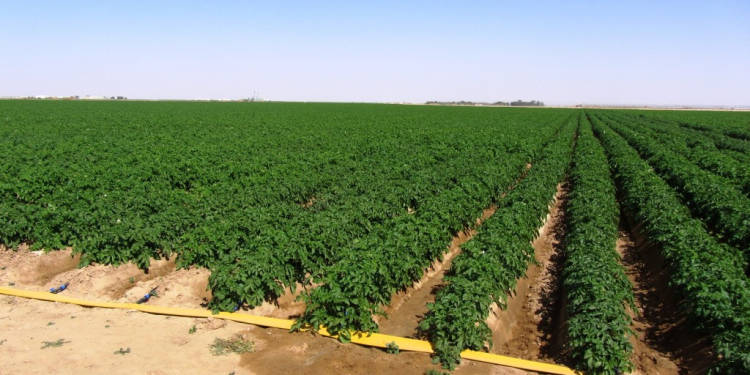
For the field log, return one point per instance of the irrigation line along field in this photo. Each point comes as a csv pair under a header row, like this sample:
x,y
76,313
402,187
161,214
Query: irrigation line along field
x,y
358,200
374,339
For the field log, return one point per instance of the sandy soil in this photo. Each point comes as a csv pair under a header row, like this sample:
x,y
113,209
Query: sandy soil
x,y
158,344
91,337
648,360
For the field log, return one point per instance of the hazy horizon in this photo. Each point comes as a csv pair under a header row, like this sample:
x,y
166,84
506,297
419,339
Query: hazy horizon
x,y
581,52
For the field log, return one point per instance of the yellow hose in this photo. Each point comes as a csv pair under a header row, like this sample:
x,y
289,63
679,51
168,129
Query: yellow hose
x,y
373,339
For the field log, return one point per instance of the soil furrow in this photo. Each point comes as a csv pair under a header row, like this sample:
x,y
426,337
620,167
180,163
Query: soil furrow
x,y
528,327
665,343
408,307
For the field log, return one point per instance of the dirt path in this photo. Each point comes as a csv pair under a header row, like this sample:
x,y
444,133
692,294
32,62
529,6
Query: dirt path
x,y
664,343
528,327
407,308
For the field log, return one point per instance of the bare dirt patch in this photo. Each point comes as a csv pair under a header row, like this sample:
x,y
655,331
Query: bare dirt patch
x,y
308,203
157,344
285,307
34,267
187,287
304,353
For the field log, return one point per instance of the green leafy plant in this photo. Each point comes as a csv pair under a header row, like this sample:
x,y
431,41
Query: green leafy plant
x,y
594,280
192,329
237,344
54,344
391,348
392,185
717,201
122,352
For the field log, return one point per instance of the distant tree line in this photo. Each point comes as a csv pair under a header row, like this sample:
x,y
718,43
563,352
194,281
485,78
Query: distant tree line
x,y
532,103
517,103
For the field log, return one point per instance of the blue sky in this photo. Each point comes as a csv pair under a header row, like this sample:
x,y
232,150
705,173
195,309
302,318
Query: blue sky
x,y
627,52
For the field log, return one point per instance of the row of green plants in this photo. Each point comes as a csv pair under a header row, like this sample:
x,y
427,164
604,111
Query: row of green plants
x,y
722,140
728,123
264,195
698,150
417,234
354,289
735,148
712,198
488,267
596,287
710,276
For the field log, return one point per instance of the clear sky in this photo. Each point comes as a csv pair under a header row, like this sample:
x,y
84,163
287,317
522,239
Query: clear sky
x,y
559,52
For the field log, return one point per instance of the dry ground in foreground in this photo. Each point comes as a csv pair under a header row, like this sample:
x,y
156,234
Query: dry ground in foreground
x,y
162,344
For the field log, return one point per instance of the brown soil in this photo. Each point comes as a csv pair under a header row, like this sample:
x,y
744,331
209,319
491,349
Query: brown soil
x,y
35,267
158,344
664,342
304,353
527,328
308,202
162,344
407,308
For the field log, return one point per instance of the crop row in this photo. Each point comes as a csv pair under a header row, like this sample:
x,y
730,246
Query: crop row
x,y
735,148
708,275
594,280
721,140
369,271
265,196
487,269
718,203
412,239
700,151
730,124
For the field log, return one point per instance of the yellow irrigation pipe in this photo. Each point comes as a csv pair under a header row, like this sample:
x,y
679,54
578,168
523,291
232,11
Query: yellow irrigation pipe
x,y
373,339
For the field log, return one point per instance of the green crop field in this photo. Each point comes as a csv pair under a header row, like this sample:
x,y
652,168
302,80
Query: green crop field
x,y
356,201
